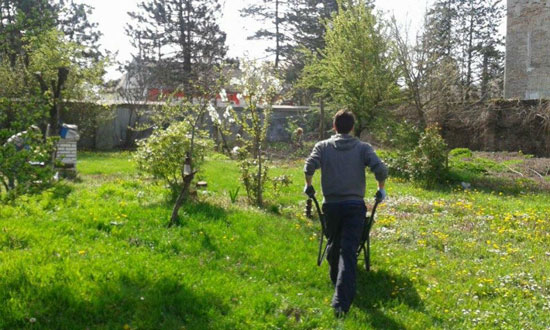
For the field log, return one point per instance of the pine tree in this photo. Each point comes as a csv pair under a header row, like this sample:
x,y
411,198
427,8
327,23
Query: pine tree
x,y
180,37
439,33
464,34
73,20
489,46
307,19
275,13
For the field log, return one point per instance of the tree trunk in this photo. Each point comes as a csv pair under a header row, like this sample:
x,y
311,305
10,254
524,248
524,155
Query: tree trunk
x,y
184,17
224,142
322,119
55,111
485,76
470,54
259,192
277,39
182,197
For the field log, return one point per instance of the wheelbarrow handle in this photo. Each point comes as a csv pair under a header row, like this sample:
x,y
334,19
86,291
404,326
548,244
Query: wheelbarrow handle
x,y
322,251
365,238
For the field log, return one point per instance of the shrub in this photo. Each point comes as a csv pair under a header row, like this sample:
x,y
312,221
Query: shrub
x,y
279,182
253,183
162,155
461,152
260,86
397,163
395,134
428,161
26,164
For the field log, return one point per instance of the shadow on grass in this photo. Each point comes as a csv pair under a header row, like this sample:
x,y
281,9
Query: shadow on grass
x,y
205,211
137,302
488,185
376,288
61,190
198,211
507,184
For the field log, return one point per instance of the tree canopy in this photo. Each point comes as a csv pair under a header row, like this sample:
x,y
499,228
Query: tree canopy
x,y
357,68
179,38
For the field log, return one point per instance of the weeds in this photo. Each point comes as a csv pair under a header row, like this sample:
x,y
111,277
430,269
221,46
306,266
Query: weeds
x,y
234,194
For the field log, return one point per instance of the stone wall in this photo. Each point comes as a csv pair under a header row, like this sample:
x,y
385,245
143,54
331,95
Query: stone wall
x,y
502,126
527,74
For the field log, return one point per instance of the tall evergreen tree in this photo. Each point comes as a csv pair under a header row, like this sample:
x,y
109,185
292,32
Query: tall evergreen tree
x,y
73,20
180,37
307,19
490,48
273,12
464,34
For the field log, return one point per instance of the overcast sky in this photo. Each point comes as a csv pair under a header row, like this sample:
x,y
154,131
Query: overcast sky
x,y
112,17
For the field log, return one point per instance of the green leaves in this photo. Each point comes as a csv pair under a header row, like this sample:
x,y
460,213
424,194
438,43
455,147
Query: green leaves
x,y
25,163
260,86
162,155
357,68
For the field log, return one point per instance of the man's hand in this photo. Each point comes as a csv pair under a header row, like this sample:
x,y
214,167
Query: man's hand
x,y
380,195
309,191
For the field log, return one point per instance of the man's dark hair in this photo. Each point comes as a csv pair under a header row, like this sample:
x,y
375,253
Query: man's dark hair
x,y
343,121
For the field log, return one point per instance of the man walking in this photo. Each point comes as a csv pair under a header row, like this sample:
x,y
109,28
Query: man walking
x,y
342,160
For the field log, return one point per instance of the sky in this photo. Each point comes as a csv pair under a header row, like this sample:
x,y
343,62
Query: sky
x,y
111,15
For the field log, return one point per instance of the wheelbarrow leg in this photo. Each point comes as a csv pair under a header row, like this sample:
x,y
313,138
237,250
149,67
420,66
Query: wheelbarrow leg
x,y
367,256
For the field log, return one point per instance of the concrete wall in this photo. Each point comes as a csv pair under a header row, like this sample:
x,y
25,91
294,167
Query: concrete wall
x,y
111,131
527,73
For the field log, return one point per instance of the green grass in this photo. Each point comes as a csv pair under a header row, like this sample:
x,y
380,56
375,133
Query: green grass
x,y
97,254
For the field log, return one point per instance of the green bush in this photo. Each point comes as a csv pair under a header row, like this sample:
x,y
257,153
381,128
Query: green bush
x,y
162,155
253,183
461,152
428,161
397,163
425,164
396,134
26,163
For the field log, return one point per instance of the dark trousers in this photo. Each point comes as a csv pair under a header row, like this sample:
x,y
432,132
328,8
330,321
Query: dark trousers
x,y
345,221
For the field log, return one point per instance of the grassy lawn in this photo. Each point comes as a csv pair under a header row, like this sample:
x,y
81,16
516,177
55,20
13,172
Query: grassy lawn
x,y
96,254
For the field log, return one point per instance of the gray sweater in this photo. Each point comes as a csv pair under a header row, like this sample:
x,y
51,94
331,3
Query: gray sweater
x,y
342,160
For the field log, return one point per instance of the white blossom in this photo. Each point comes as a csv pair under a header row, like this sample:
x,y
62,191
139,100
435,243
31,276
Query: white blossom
x,y
223,95
213,114
240,98
227,115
